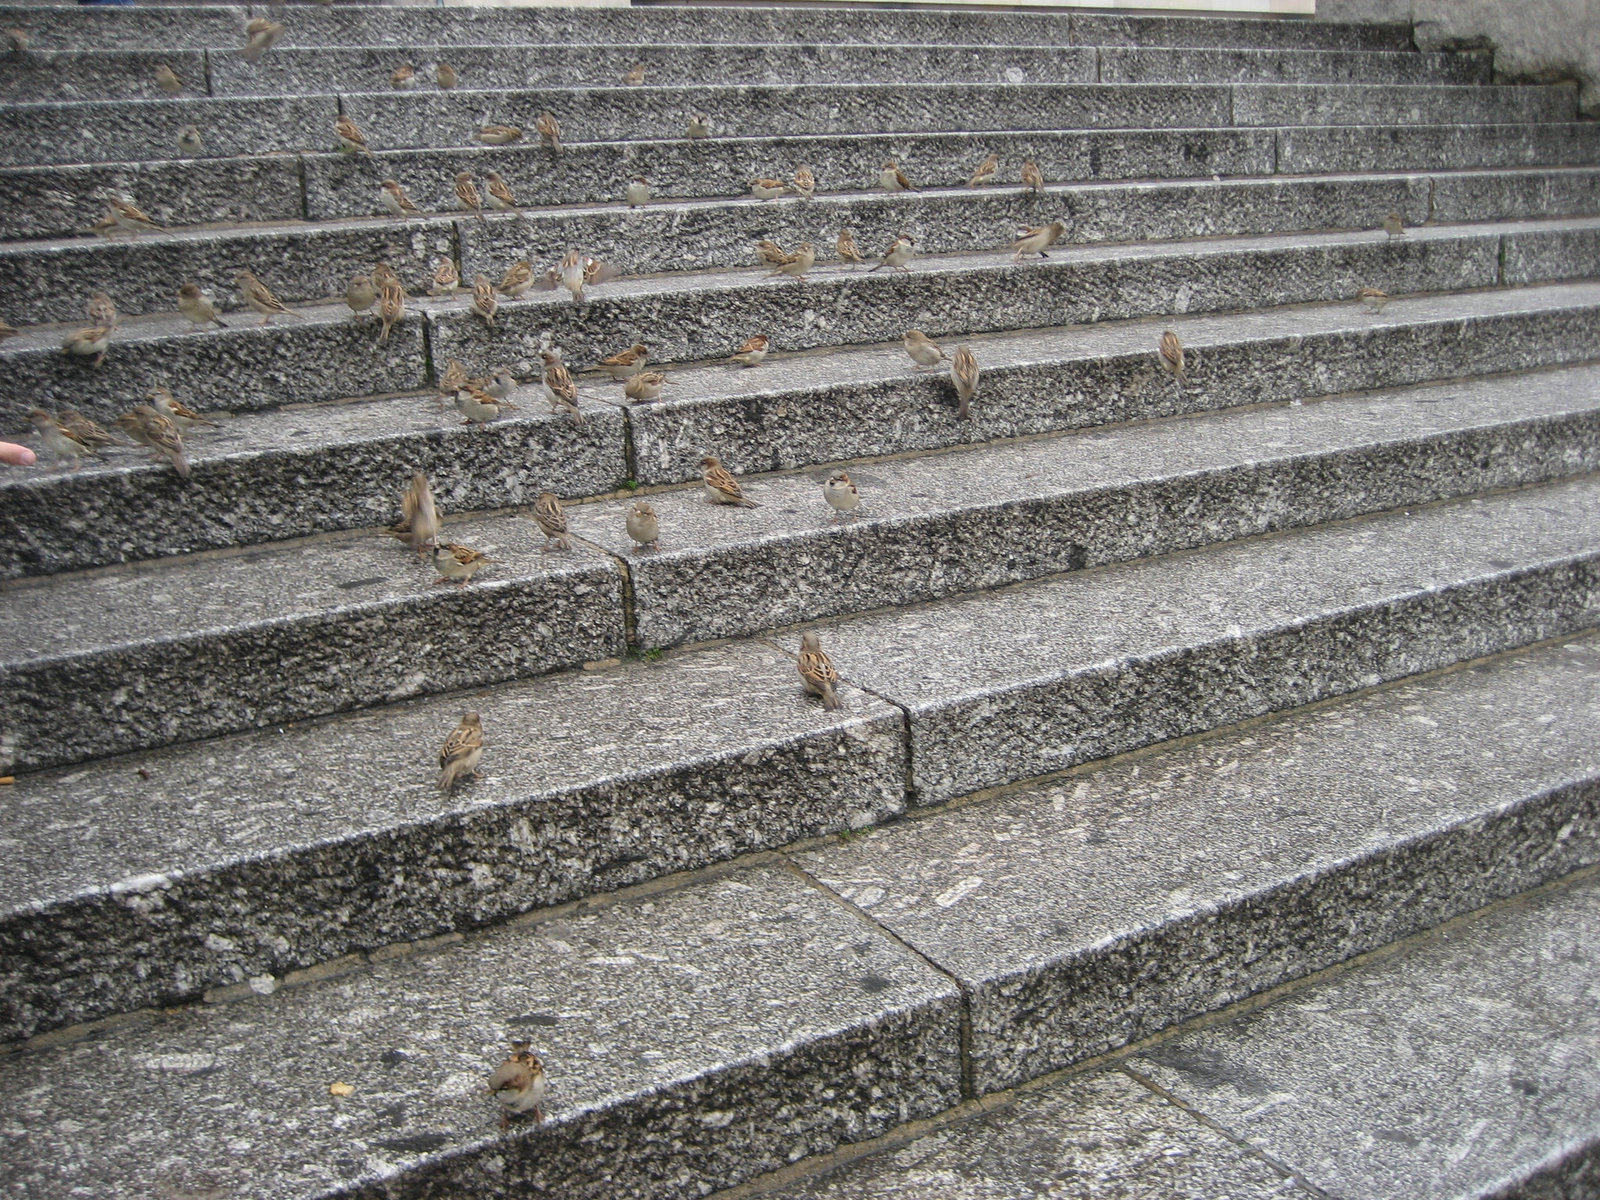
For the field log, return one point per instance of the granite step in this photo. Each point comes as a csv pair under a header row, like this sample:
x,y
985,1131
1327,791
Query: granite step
x,y
706,315
1455,1066
783,1001
313,469
59,201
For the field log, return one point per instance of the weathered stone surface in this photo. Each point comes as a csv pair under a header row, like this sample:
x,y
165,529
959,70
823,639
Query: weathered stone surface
x,y
103,75
1309,150
1116,902
63,28
995,515
794,1027
189,648
1054,674
1107,29
1504,195
1534,252
1398,104
1147,64
1462,1066
1544,40
264,853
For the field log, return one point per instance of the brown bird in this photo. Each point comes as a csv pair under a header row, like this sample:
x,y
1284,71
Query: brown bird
x,y
549,130
518,279
634,77
129,219
985,171
964,374
1394,226
1031,176
91,433
467,193
751,353
360,295
805,183
499,135
846,245
350,137
261,35
892,179
1036,239
645,386
1373,299
88,343
446,76
459,563
396,201
500,196
197,307
446,279
817,671
1171,355
149,428
519,1084
404,77
552,521
624,363
770,253
259,297
458,758
179,413
101,311
383,275
419,519
559,389
167,80
720,486
391,308
483,301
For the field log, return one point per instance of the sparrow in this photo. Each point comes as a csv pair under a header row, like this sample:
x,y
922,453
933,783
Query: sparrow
x,y
846,245
549,130
351,139
518,279
699,126
721,487
391,308
8,330
892,179
419,519
446,76
101,311
559,389
360,295
499,135
1033,239
478,406
383,275
460,563
259,297
149,428
985,171
17,39
483,301
898,254
570,272
64,445
126,217
817,671
500,197
1394,226
197,307
796,264
467,193
181,415
87,343
624,363
767,189
519,1084
167,80
751,353
1031,176
841,494
645,386
394,198
643,527
446,279
404,77
501,383
964,374
638,192
770,253
924,351
1373,299
190,142
805,183
261,35
596,272
458,758
1171,356
634,77
552,521
454,377
90,433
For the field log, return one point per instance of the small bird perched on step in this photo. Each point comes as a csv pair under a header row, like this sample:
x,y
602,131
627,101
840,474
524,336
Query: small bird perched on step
x,y
167,80
624,364
805,184
261,35
499,135
459,563
129,219
964,374
643,525
1036,239
720,486
770,253
174,410
645,386
445,75
360,295
101,311
1170,353
841,493
88,343
1032,177
817,671
90,433
767,189
418,526
635,77
699,126
351,139
519,1084
846,246
478,406
404,78
458,758
559,390
985,171
483,302
797,264
898,254
892,179
391,307
549,131
197,307
638,192
446,279
1373,299
394,198
752,352
552,522
517,280
467,193
64,445
1394,226
500,383
190,142
500,197
149,428
924,351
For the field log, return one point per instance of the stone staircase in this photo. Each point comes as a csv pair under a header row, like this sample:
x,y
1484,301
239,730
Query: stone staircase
x,y
1161,696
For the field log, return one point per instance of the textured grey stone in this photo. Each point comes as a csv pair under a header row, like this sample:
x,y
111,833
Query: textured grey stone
x,y
1399,104
290,472
1308,150
1461,1067
1053,674
105,75
140,130
690,1040
1544,40
192,647
1535,252
65,28
1107,29
264,853
1098,1137
1503,195
1146,64
1117,902
831,406
995,515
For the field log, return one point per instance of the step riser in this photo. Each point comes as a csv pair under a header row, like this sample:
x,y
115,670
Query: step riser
x,y
105,75
439,638
1148,65
144,130
1433,148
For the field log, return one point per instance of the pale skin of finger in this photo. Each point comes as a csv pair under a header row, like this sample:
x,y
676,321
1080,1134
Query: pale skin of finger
x,y
15,455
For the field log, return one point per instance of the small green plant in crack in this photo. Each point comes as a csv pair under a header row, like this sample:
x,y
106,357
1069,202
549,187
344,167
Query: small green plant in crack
x,y
653,654
628,485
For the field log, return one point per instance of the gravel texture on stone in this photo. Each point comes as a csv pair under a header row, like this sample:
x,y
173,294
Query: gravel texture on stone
x,y
99,75
707,1036
1510,194
1310,149
1289,105
1148,64
1119,901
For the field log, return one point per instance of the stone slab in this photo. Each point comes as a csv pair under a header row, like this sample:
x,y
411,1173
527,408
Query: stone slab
x,y
143,130
187,648
1056,673
1534,253
1399,104
693,1039
267,853
1149,64
995,515
1119,901
1138,29
1460,1067
1313,149
54,29
833,406
102,75
1475,195
1098,1137
291,472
